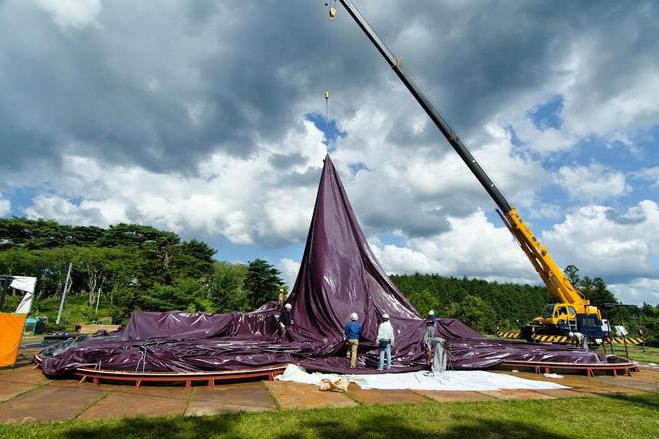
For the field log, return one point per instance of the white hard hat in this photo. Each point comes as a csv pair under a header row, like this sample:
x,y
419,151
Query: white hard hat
x,y
431,313
354,316
288,306
385,316
571,334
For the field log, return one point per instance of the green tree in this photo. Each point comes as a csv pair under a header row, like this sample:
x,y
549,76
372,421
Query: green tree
x,y
594,290
572,273
262,283
226,287
424,301
125,267
600,293
184,295
513,304
475,312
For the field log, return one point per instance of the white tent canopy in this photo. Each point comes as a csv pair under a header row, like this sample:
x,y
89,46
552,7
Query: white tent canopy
x,y
23,283
27,284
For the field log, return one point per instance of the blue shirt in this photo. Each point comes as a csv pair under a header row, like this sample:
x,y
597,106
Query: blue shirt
x,y
285,317
353,330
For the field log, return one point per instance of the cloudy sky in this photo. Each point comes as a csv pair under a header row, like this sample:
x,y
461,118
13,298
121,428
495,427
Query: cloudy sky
x,y
206,118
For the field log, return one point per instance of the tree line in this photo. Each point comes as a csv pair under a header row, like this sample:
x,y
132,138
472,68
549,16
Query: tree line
x,y
130,267
492,306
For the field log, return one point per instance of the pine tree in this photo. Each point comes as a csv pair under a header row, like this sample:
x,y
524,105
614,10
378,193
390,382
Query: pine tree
x,y
572,273
262,282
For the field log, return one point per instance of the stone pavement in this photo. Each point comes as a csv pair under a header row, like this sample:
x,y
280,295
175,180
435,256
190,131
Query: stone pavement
x,y
27,396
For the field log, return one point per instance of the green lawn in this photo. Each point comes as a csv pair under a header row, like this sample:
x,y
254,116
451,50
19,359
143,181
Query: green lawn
x,y
651,355
587,417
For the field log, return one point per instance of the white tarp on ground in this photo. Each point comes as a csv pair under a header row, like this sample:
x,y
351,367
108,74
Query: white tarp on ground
x,y
473,380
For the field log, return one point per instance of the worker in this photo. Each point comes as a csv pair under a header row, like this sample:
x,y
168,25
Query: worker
x,y
285,319
430,327
577,339
353,331
385,340
438,357
282,296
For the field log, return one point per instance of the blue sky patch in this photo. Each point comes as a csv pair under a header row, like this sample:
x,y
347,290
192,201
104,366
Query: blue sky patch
x,y
329,128
549,114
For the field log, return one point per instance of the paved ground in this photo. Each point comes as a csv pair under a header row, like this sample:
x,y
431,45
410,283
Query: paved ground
x,y
27,396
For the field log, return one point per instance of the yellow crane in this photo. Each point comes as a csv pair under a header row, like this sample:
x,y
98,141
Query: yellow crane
x,y
572,312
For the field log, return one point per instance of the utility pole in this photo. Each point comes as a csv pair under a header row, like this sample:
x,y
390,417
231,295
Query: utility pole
x,y
98,298
67,286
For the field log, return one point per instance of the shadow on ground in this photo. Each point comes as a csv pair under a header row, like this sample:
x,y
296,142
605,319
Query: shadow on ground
x,y
371,426
647,401
385,426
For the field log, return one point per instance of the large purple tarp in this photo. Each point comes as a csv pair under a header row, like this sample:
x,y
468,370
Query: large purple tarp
x,y
338,275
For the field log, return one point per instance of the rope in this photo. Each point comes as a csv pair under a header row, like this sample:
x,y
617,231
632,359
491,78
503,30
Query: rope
x,y
331,16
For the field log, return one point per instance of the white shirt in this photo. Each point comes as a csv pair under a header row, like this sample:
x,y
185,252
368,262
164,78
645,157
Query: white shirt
x,y
386,331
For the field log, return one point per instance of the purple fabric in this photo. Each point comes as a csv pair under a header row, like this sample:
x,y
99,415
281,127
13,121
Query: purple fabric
x,y
470,350
338,275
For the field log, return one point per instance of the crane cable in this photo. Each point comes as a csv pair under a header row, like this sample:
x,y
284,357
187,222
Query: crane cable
x,y
331,11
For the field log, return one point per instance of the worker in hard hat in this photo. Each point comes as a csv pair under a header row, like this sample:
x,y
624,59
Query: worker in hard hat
x,y
285,319
385,341
430,327
282,296
577,339
353,331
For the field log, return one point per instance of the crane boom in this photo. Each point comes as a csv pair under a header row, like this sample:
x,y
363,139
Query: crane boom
x,y
557,283
429,107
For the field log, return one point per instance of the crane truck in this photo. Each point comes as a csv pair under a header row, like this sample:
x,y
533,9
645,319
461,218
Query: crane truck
x,y
572,311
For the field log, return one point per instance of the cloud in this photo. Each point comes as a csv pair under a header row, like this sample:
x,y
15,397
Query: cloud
x,y
472,246
191,115
638,291
163,87
235,197
5,206
289,269
85,213
592,182
543,140
267,197
606,242
650,175
545,211
73,13
413,189
170,83
618,245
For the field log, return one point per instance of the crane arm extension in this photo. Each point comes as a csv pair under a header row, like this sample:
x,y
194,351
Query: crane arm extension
x,y
557,283
428,106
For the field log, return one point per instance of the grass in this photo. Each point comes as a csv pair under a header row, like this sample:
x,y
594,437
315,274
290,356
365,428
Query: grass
x,y
636,353
651,354
76,310
602,416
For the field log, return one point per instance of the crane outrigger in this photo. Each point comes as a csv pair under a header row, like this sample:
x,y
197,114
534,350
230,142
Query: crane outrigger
x,y
573,311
